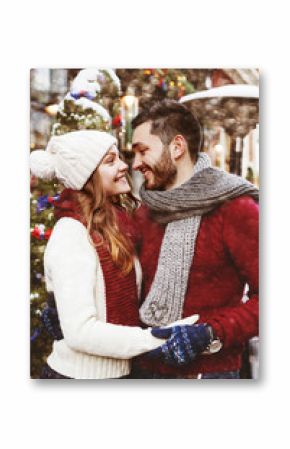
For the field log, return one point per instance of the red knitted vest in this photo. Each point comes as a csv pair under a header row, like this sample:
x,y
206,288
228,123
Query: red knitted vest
x,y
120,289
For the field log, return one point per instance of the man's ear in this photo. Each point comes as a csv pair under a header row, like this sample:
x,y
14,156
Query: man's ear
x,y
178,147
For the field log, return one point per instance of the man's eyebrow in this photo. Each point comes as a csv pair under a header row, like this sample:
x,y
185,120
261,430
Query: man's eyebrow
x,y
138,144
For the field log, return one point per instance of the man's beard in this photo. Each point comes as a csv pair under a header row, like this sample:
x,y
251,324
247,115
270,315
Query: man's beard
x,y
164,172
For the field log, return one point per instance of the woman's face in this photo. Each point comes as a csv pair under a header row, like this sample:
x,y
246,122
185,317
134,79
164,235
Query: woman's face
x,y
113,172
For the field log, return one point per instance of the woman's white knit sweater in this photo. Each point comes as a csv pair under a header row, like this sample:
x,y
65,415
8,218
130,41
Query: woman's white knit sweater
x,y
91,348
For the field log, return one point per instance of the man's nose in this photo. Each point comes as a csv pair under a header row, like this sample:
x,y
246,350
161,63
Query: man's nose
x,y
136,162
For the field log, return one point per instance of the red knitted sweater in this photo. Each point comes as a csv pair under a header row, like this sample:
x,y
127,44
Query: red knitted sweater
x,y
226,257
120,289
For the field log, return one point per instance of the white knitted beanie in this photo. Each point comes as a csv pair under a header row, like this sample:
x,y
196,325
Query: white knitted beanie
x,y
72,157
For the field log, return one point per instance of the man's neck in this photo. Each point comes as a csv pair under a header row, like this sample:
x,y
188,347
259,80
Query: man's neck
x,y
184,173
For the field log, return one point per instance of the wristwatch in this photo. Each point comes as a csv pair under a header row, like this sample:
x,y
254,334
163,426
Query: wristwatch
x,y
215,343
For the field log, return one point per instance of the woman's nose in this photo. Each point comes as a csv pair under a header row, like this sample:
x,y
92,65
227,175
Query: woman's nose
x,y
123,166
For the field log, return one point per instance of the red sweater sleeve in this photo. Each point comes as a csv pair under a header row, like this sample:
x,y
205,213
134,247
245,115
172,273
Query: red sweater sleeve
x,y
241,238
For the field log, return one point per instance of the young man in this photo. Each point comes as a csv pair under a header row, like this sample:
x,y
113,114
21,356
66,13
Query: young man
x,y
199,249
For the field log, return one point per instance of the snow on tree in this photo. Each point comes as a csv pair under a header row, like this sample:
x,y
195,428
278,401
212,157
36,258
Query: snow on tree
x,y
90,102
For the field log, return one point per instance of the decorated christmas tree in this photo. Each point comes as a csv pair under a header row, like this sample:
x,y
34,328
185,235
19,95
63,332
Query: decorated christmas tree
x,y
155,84
42,220
93,97
90,102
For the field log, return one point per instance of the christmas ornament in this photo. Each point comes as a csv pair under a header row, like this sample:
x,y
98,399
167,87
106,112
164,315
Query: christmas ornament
x,y
39,232
116,122
83,93
45,201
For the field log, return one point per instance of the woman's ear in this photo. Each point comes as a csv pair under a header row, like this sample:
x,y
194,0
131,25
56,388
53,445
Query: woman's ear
x,y
178,147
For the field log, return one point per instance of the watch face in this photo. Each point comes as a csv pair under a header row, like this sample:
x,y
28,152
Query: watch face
x,y
215,346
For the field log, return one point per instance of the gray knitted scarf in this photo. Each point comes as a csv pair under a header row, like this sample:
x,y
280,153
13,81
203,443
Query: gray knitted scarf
x,y
181,209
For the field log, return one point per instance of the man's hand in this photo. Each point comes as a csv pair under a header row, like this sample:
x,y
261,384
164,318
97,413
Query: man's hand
x,y
184,343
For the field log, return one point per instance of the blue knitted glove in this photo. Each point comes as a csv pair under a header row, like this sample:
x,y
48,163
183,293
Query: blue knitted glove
x,y
184,343
49,318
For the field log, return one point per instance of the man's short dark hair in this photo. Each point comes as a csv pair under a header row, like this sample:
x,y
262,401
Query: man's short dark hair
x,y
169,118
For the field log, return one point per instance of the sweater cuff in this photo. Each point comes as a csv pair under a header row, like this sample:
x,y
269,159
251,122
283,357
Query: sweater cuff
x,y
151,341
217,329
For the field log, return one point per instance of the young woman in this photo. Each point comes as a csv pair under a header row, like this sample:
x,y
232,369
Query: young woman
x,y
89,261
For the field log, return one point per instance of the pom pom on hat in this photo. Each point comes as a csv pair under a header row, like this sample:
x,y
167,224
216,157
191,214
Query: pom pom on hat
x,y
42,164
72,157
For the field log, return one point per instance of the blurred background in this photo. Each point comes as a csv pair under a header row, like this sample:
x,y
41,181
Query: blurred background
x,y
226,101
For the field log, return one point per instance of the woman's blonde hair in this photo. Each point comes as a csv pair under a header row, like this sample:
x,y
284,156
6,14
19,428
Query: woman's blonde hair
x,y
100,216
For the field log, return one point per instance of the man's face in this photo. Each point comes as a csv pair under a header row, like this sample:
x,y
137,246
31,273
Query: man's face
x,y
152,158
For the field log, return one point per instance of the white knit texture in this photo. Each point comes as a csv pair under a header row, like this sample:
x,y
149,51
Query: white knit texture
x,y
72,157
91,348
